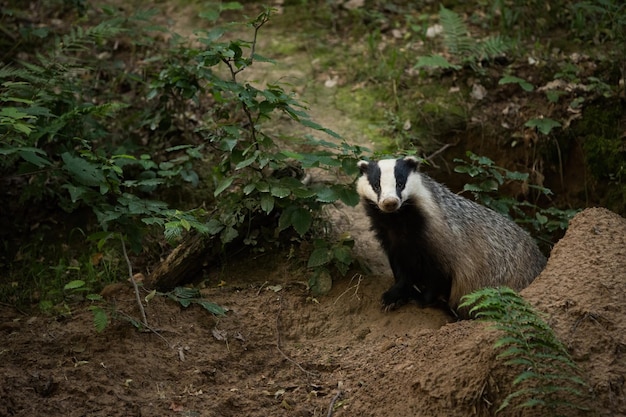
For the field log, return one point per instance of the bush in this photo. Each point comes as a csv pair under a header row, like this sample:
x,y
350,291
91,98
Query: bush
x,y
149,136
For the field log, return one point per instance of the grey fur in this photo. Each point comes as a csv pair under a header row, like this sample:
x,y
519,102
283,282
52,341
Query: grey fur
x,y
475,246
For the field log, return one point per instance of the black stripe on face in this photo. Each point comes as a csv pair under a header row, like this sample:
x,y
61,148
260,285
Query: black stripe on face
x,y
373,176
402,170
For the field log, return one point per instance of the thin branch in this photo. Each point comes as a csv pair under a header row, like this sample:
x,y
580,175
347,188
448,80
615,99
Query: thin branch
x,y
132,280
331,407
148,328
356,288
430,157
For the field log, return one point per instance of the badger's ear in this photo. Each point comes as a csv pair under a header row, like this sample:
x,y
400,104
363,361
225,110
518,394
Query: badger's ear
x,y
363,165
412,161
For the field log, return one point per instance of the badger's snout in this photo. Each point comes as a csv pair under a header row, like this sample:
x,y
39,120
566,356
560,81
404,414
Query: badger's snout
x,y
389,204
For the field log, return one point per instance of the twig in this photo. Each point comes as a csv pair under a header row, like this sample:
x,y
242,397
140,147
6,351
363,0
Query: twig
x,y
430,157
332,403
280,308
260,288
155,331
355,286
132,280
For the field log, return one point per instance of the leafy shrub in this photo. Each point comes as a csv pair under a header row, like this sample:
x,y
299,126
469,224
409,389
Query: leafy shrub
x,y
84,127
487,180
550,380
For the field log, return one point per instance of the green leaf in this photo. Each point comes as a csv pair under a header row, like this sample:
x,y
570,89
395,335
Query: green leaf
x,y
301,220
517,176
94,297
30,155
279,191
100,318
186,292
284,221
313,125
509,79
249,188
76,192
541,218
262,186
267,203
343,254
303,193
554,95
349,196
246,162
214,226
489,184
72,285
13,113
435,61
223,185
327,195
85,172
544,125
319,257
212,307
229,234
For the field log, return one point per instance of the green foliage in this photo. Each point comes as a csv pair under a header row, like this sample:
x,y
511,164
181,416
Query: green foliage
x,y
187,296
148,147
600,134
97,307
462,47
332,253
487,180
528,17
511,79
549,379
600,18
543,124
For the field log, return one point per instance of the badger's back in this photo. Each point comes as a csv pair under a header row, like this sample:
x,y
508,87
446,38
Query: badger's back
x,y
487,250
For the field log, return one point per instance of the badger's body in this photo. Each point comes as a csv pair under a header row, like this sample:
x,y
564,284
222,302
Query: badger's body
x,y
441,246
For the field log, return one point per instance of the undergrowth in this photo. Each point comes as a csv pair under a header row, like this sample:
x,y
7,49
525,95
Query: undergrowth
x,y
546,224
548,379
134,136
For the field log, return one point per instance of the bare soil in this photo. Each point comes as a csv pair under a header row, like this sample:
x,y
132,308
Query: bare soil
x,y
280,352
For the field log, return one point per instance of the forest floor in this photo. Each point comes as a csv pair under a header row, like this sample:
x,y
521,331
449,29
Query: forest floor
x,y
279,351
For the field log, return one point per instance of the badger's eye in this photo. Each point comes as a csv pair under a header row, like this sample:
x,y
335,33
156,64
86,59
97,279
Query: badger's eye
x,y
376,188
400,185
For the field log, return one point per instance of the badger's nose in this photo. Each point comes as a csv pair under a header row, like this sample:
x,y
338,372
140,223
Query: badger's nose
x,y
389,204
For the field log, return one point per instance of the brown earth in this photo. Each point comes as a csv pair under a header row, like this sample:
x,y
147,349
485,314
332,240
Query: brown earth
x,y
280,352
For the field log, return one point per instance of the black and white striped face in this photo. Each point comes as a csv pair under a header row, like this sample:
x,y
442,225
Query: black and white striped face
x,y
388,183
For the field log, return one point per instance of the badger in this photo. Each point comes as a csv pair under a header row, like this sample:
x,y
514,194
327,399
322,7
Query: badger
x,y
441,246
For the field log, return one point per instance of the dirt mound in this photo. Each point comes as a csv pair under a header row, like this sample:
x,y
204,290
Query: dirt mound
x,y
280,352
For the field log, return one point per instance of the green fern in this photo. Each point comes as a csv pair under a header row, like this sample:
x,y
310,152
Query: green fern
x,y
80,39
456,33
463,48
550,378
100,318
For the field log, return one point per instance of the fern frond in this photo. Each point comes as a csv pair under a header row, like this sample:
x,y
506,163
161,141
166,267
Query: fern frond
x,y
529,342
80,39
455,32
100,318
493,47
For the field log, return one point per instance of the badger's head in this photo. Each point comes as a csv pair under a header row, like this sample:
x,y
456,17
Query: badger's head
x,y
388,183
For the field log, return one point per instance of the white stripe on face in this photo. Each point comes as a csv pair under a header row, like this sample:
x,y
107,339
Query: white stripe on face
x,y
387,180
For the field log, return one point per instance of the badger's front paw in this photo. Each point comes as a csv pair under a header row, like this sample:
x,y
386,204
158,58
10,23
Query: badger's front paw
x,y
393,298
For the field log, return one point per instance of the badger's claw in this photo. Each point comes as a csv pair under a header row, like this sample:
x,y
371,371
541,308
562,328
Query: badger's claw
x,y
393,299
